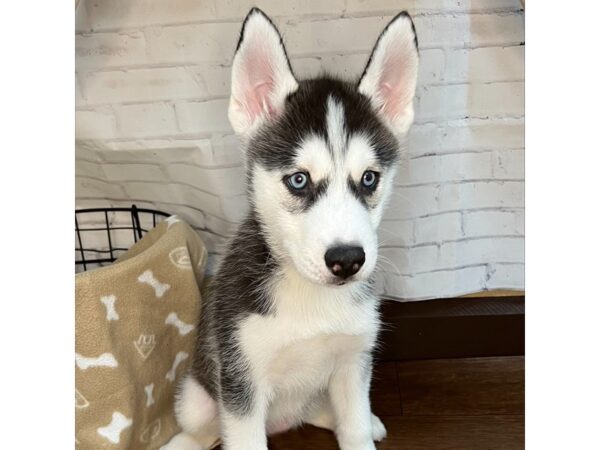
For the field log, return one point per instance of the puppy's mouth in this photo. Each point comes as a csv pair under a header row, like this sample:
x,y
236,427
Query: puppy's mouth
x,y
324,277
341,282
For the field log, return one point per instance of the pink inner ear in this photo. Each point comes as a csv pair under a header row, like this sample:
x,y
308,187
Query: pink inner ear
x,y
258,85
259,101
393,85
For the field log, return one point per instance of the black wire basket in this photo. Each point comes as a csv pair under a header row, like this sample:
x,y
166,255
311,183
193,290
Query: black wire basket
x,y
103,234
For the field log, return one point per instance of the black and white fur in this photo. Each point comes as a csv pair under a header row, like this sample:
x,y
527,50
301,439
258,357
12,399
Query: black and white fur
x,y
285,337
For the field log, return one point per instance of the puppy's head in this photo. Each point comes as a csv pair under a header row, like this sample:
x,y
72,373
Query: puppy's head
x,y
321,153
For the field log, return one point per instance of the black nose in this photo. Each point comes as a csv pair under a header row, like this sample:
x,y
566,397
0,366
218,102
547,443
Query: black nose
x,y
344,261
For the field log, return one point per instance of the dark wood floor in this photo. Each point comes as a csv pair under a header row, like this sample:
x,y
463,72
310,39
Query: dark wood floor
x,y
462,404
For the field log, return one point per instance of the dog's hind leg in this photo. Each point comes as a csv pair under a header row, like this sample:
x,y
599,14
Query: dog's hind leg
x,y
196,413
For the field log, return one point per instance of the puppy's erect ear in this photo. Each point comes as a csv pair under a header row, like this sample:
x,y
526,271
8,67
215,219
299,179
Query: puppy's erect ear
x,y
261,77
390,78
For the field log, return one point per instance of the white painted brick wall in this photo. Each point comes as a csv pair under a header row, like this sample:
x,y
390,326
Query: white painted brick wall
x,y
142,85
494,223
439,228
506,276
152,88
436,103
97,124
203,117
146,120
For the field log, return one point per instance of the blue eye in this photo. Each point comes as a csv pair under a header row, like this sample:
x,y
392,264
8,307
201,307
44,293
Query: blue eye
x,y
298,180
369,179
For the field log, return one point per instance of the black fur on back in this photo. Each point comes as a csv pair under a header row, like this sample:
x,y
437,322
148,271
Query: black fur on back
x,y
237,291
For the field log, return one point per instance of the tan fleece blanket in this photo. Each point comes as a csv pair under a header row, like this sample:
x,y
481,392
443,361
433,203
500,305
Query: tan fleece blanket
x,y
134,337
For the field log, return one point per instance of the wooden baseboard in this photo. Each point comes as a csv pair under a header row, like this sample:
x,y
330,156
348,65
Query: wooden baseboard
x,y
495,293
453,328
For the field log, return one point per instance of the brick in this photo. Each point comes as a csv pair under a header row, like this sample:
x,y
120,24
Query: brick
x,y
304,38
83,203
199,219
423,259
438,228
348,66
411,202
219,226
124,202
88,169
209,42
173,193
109,50
124,156
475,251
506,276
137,172
469,30
84,151
142,85
212,152
149,191
337,35
470,100
237,9
187,195
227,150
215,80
234,208
385,7
221,182
444,168
351,66
116,14
490,223
91,188
97,124
80,99
466,135
485,64
396,232
485,194
509,164
486,134
150,119
123,218
395,260
438,284
432,66
83,23
203,117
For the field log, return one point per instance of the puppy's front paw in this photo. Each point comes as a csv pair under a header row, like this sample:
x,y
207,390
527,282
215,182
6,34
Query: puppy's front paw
x,y
379,431
182,441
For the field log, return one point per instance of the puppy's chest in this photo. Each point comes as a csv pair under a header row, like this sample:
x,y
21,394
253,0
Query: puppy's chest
x,y
300,344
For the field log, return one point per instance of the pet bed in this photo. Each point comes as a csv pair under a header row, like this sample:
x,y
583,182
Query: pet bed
x,y
134,338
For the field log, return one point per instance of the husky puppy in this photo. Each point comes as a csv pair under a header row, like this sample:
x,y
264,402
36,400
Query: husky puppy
x,y
286,335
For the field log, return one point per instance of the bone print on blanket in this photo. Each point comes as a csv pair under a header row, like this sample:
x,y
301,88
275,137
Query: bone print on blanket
x,y
134,331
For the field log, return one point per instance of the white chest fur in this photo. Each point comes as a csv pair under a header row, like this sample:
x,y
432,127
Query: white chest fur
x,y
297,347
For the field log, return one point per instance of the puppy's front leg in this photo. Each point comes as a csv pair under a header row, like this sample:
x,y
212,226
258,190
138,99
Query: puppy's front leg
x,y
243,431
349,393
243,411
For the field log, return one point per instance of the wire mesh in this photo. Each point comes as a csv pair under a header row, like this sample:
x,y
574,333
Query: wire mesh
x,y
103,234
